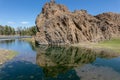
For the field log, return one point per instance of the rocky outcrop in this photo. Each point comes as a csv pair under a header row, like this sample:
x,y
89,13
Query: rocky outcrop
x,y
57,25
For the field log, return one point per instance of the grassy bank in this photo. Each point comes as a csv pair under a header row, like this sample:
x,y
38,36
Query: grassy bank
x,y
29,39
110,45
6,55
113,44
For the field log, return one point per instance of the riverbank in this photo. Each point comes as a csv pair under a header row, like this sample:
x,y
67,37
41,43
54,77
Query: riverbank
x,y
31,39
6,55
14,37
108,45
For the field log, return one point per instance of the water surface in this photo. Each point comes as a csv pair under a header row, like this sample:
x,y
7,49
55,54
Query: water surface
x,y
57,63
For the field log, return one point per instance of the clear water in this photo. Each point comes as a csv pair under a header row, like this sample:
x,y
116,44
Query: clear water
x,y
57,63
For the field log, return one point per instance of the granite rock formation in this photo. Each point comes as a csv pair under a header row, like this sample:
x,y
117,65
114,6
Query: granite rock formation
x,y
57,25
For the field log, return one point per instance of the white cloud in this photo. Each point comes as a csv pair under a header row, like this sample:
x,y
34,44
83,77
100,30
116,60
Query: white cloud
x,y
11,22
24,22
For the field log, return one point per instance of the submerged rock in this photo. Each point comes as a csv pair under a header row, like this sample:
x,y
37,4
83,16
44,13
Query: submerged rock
x,y
57,25
91,72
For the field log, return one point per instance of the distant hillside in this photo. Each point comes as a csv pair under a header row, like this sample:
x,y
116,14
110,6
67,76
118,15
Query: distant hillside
x,y
57,25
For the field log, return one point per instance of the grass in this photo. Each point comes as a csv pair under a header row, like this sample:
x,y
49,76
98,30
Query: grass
x,y
6,55
110,45
113,44
12,54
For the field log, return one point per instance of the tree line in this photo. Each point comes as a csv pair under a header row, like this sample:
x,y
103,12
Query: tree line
x,y
31,31
8,30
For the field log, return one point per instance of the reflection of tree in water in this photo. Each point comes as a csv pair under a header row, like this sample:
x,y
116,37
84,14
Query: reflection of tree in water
x,y
31,44
56,60
7,41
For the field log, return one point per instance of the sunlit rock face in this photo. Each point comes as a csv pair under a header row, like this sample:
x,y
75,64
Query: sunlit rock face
x,y
57,25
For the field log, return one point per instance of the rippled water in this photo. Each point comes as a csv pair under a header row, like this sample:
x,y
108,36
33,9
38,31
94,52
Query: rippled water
x,y
57,63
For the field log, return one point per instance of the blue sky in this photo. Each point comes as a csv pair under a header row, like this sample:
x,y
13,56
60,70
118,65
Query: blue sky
x,y
23,12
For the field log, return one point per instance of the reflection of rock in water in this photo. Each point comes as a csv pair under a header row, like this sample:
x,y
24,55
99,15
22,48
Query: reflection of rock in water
x,y
90,72
70,56
56,60
7,41
54,71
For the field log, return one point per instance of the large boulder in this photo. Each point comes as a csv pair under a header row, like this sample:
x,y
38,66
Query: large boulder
x,y
57,25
